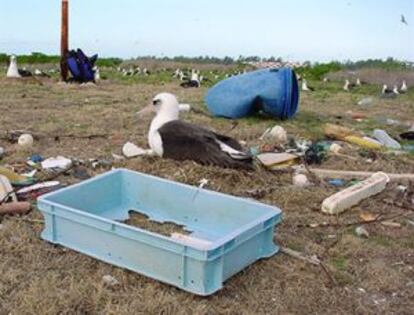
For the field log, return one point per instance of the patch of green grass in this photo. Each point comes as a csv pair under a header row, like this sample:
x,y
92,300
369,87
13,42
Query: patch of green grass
x,y
309,123
340,263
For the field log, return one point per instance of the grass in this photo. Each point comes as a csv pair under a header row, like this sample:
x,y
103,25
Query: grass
x,y
41,278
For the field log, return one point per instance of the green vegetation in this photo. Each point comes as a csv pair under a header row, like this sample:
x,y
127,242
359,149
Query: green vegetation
x,y
40,58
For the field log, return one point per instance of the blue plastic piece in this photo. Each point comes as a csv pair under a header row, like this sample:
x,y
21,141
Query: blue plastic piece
x,y
337,182
274,92
233,232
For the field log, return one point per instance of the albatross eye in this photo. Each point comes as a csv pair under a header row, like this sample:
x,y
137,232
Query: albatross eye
x,y
156,102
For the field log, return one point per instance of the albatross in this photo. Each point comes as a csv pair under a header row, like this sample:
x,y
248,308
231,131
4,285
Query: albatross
x,y
169,137
305,86
13,71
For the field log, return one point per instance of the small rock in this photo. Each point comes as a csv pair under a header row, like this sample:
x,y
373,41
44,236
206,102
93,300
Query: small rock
x,y
110,280
361,232
410,284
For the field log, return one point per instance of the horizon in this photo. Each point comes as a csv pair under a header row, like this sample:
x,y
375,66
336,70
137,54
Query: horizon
x,y
365,29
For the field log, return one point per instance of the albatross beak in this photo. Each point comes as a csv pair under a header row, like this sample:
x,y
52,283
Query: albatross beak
x,y
146,110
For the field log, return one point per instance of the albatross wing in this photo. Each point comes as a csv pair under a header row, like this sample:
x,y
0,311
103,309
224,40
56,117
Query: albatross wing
x,y
184,141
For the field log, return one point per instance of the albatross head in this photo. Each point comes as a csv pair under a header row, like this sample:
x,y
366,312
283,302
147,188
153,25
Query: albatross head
x,y
165,105
13,59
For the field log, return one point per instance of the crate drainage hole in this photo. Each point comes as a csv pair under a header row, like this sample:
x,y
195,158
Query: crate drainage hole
x,y
142,221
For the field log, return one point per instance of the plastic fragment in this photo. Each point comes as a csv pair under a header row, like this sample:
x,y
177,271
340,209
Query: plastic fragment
x,y
351,196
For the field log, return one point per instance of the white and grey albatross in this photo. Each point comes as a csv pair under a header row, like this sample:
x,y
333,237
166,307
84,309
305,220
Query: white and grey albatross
x,y
172,138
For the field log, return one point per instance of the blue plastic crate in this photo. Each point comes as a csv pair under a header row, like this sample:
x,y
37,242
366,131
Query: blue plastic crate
x,y
227,233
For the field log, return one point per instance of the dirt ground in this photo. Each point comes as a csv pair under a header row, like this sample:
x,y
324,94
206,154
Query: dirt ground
x,y
372,275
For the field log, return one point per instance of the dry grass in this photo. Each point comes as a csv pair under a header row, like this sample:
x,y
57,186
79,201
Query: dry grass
x,y
39,278
377,76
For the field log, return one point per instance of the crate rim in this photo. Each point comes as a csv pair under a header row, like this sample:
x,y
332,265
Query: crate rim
x,y
212,247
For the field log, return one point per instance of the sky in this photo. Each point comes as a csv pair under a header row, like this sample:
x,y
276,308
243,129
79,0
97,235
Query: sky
x,y
315,30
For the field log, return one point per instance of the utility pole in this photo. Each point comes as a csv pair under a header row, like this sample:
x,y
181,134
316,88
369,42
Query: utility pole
x,y
64,40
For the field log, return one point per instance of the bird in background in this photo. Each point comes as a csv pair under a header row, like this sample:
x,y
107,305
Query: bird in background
x,y
403,20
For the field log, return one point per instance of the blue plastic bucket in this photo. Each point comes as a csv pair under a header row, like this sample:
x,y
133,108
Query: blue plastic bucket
x,y
273,91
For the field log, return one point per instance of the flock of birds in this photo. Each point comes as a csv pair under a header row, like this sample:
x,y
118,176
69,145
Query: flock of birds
x,y
14,72
189,78
170,137
349,86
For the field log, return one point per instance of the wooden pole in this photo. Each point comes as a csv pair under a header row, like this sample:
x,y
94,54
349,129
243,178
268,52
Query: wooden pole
x,y
64,40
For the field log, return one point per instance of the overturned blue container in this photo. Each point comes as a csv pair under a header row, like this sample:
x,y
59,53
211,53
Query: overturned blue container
x,y
226,233
273,91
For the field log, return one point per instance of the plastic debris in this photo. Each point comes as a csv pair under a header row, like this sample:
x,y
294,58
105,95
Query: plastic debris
x,y
408,148
14,178
351,196
402,188
2,151
58,162
374,142
316,154
15,208
391,224
366,101
184,107
409,135
110,280
364,143
30,174
104,163
117,158
34,191
383,137
335,148
81,173
368,217
38,186
277,134
337,182
25,141
360,231
277,160
355,174
6,190
345,134
300,180
36,158
130,150
202,182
